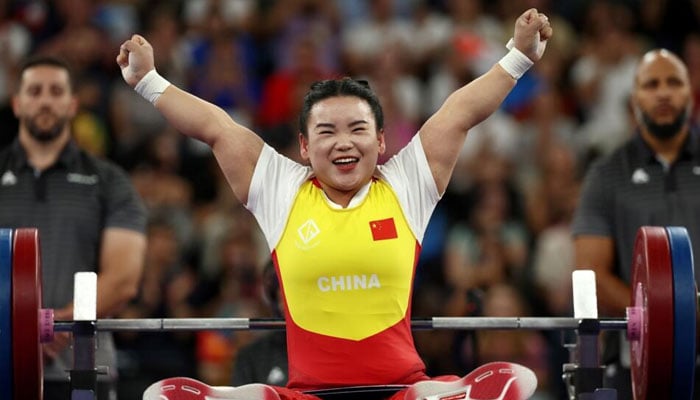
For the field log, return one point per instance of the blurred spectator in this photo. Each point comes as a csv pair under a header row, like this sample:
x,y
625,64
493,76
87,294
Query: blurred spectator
x,y
691,56
476,34
492,246
234,292
551,198
157,180
118,19
431,34
603,75
400,94
79,40
368,37
289,22
133,123
165,289
15,44
283,93
522,346
264,360
668,22
222,57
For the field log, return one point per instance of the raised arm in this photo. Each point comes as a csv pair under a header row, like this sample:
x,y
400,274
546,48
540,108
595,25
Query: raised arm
x,y
235,147
443,134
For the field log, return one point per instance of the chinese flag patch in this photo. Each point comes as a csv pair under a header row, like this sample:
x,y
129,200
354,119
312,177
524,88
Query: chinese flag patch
x,y
383,229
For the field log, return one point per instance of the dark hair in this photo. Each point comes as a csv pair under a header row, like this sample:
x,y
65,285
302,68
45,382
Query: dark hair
x,y
340,87
51,61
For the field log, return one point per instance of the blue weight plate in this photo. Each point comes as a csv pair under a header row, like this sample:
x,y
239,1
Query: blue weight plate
x,y
684,311
5,313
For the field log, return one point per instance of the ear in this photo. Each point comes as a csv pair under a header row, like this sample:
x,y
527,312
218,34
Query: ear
x,y
15,106
303,146
74,105
381,142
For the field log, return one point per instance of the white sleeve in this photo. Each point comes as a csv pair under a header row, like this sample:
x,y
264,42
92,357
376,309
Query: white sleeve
x,y
409,175
274,186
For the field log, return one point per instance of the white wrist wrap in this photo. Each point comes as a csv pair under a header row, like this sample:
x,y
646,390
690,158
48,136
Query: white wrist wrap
x,y
151,86
516,63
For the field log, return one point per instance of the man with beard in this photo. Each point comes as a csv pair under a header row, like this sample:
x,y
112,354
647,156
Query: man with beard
x,y
87,212
653,179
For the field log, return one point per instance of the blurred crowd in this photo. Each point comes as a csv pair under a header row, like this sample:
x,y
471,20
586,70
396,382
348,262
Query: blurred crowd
x,y
498,244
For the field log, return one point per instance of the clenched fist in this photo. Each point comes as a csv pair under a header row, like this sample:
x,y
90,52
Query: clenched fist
x,y
532,30
135,59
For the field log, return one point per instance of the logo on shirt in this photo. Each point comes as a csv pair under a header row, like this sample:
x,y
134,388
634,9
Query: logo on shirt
x,y
307,232
696,170
640,176
348,282
383,229
8,179
82,179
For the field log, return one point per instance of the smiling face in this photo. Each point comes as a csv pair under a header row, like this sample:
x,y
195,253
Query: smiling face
x,y
342,145
662,97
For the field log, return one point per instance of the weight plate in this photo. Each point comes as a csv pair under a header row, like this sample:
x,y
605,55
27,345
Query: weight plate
x,y
685,308
5,313
652,290
26,303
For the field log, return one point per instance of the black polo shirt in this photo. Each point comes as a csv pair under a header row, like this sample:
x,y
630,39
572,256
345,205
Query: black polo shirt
x,y
70,203
631,188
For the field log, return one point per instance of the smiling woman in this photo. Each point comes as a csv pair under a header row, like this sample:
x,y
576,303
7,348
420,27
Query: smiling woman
x,y
344,218
342,141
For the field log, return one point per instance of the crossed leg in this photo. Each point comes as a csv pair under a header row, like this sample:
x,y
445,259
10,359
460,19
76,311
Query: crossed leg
x,y
492,381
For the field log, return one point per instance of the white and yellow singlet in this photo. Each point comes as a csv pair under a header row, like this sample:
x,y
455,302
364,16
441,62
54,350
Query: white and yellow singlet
x,y
346,273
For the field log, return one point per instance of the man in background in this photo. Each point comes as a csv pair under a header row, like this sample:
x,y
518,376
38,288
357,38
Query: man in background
x,y
88,214
653,179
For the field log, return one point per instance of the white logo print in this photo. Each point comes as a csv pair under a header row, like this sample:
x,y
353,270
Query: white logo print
x,y
82,179
8,178
348,282
640,176
276,376
308,231
696,170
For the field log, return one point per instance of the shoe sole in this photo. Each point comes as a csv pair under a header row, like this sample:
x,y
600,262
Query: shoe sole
x,y
493,381
182,388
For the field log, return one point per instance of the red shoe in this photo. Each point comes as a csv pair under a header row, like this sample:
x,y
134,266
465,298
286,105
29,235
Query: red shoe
x,y
182,388
492,381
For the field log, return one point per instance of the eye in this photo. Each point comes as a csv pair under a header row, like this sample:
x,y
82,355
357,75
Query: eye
x,y
650,84
674,82
34,90
57,91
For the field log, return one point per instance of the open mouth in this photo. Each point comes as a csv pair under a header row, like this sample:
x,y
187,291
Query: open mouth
x,y
346,164
346,161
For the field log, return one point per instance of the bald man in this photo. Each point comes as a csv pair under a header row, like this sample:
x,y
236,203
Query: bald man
x,y
653,179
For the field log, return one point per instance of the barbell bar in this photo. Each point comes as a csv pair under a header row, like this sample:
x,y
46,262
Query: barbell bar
x,y
664,297
457,323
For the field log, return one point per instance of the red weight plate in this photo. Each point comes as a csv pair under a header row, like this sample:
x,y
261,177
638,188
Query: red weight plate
x,y
26,302
652,290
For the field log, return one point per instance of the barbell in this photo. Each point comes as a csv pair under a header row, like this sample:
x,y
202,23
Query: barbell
x,y
660,324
